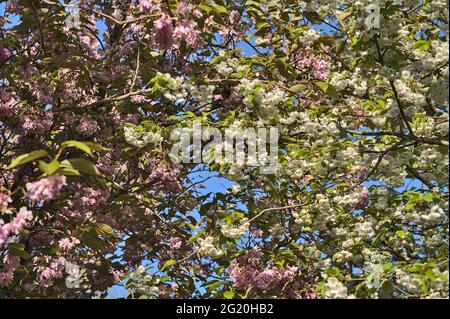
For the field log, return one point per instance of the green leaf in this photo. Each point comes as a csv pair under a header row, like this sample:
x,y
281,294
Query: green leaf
x,y
104,228
49,168
229,294
18,246
220,9
333,271
387,266
216,59
192,239
26,158
19,253
70,172
80,145
167,264
212,285
297,88
415,268
81,165
386,289
430,274
262,28
422,45
428,197
92,240
281,65
96,147
424,286
205,7
401,233
327,88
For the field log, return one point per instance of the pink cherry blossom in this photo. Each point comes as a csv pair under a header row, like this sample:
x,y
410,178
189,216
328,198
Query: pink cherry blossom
x,y
33,124
45,189
4,54
186,30
363,199
87,125
9,103
175,243
164,32
16,225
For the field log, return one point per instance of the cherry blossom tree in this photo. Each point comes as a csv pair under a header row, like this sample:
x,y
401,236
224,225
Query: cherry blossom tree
x,y
91,198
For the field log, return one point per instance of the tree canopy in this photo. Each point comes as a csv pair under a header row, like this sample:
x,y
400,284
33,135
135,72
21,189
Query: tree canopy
x,y
91,196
